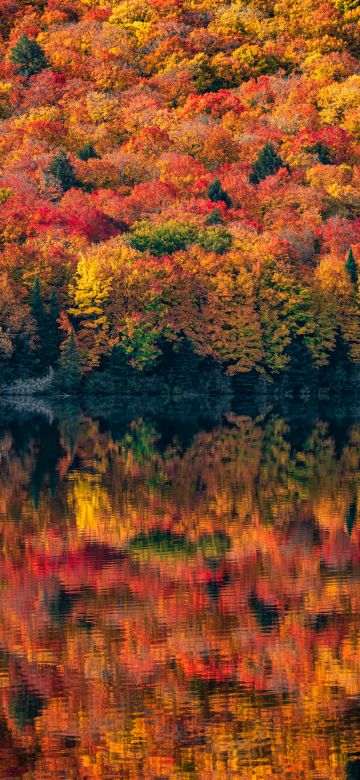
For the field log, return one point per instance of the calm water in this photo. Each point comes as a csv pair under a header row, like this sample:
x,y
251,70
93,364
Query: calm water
x,y
179,594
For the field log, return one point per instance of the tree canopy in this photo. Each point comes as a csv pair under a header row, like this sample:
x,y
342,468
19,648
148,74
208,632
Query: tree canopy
x,y
162,151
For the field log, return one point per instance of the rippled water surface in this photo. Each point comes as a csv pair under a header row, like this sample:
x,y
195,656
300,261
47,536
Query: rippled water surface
x,y
179,594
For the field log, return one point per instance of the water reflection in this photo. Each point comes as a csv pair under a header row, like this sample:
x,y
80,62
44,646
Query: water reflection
x,y
179,594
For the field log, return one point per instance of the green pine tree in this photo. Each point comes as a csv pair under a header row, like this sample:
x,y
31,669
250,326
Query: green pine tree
x,y
69,375
323,153
351,267
23,360
40,319
62,169
214,218
216,193
87,152
53,340
28,56
36,302
118,362
267,163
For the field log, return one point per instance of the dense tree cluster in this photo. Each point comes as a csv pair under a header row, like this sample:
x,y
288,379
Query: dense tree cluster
x,y
178,174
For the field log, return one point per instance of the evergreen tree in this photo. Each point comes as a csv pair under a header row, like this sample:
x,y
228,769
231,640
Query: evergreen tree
x,y
62,169
23,360
118,362
187,366
336,374
28,56
267,163
216,193
214,218
40,319
352,268
301,374
87,152
54,305
69,366
53,340
36,303
323,153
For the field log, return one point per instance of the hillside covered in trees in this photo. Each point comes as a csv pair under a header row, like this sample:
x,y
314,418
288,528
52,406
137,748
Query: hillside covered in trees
x,y
179,188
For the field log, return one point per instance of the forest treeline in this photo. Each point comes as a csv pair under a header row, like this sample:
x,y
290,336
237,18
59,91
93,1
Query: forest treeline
x,y
179,190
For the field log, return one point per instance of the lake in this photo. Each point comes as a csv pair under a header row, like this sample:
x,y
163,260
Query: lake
x,y
179,591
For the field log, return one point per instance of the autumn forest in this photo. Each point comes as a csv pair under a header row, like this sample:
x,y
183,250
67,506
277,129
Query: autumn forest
x,y
179,190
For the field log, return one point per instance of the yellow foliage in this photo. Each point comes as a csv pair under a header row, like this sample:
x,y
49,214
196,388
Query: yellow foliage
x,y
336,99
